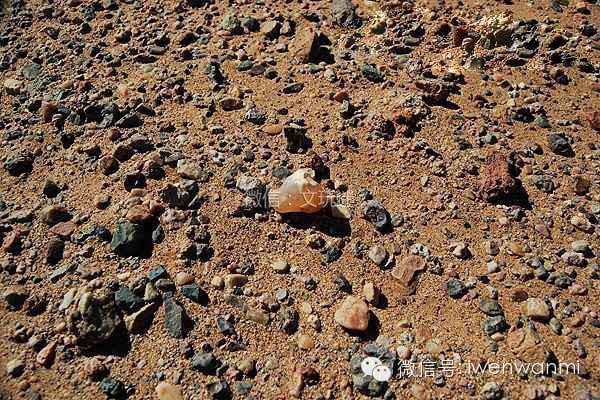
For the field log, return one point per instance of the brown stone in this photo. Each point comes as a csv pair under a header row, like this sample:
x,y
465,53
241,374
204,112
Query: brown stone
x,y
305,45
594,119
353,314
581,185
64,230
536,309
498,181
139,214
272,129
518,295
527,345
407,273
458,35
108,164
46,356
12,242
13,86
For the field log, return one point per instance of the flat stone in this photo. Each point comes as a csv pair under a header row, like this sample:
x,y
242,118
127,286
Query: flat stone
x,y
64,230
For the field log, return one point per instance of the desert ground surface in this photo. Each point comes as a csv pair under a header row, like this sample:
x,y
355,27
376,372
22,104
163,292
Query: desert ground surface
x,y
214,199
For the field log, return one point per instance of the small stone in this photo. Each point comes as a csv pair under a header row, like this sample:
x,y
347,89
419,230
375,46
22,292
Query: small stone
x,y
129,239
581,185
378,254
560,145
183,278
139,215
219,390
536,309
64,230
46,355
372,73
15,296
15,367
127,300
272,129
52,215
280,266
113,388
140,320
456,288
375,213
54,251
371,293
167,391
490,307
353,314
407,273
19,163
195,293
581,246
176,320
12,86
498,182
580,222
304,47
235,280
229,103
205,363
344,14
271,29
305,342
491,391
494,325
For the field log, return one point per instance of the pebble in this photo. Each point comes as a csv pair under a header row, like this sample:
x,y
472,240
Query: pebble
x,y
537,309
353,314
167,391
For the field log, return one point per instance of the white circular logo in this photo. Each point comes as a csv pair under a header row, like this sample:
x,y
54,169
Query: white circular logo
x,y
369,364
381,373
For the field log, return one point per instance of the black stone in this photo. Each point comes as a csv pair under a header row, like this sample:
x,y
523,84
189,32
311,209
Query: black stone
x,y
126,300
206,363
177,321
456,288
195,293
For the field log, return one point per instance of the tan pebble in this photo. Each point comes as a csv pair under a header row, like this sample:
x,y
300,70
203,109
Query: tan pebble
x,y
183,278
353,314
305,342
167,391
272,129
217,282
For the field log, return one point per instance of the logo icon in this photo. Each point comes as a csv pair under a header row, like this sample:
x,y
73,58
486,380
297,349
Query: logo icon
x,y
372,366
